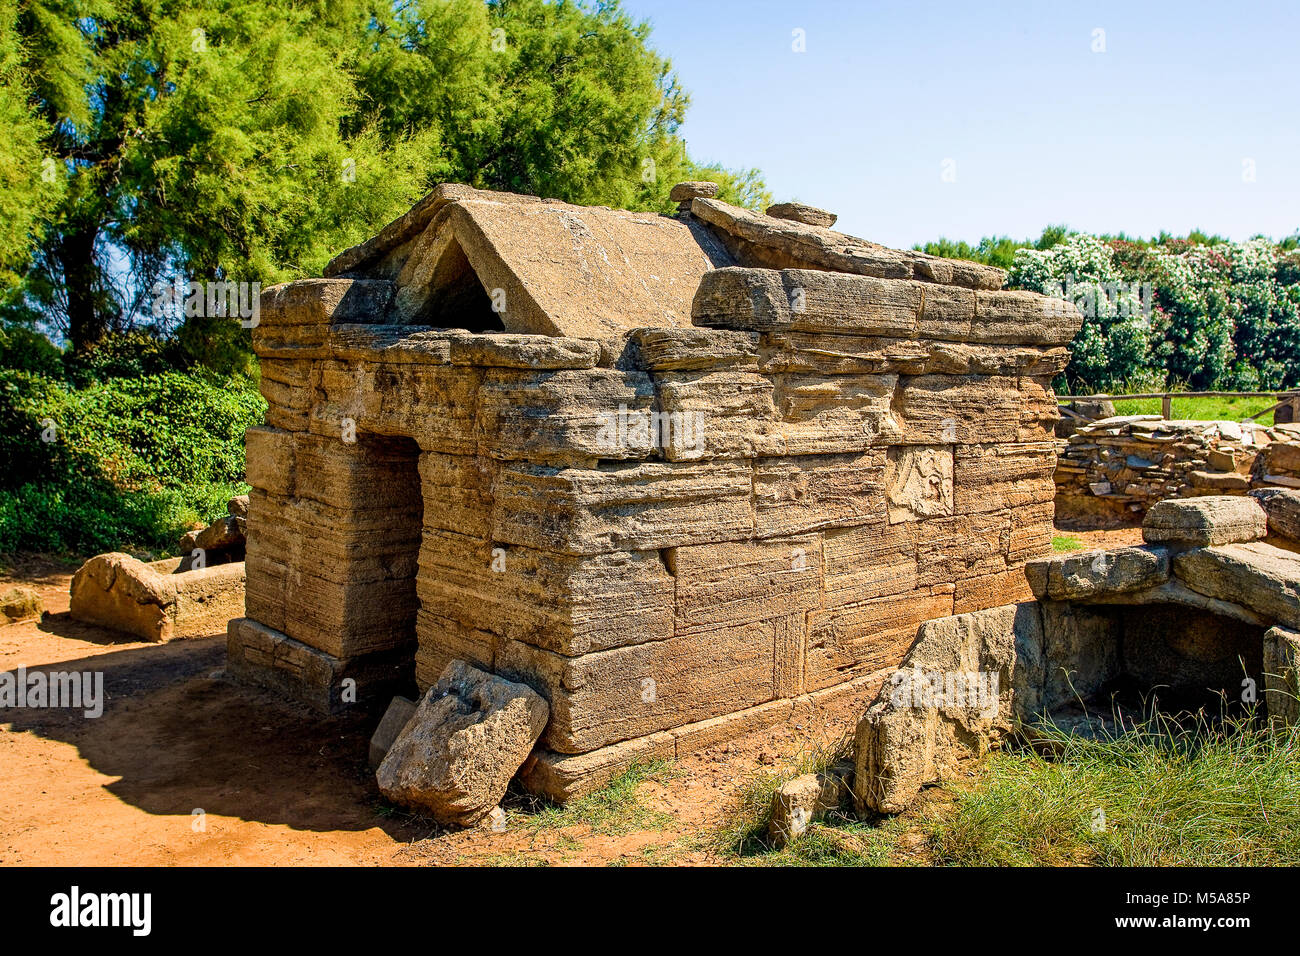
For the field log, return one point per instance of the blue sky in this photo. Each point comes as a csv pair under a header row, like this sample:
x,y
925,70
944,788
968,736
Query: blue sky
x,y
1160,131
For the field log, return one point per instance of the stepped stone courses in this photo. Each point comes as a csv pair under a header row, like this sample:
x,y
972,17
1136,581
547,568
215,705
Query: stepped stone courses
x,y
694,472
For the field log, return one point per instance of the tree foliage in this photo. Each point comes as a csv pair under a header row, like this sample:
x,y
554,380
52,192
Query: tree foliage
x,y
230,139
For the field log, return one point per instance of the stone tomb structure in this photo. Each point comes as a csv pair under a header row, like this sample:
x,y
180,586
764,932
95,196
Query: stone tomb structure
x,y
677,474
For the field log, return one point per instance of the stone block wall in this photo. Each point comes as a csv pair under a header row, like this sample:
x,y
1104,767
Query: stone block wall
x,y
666,534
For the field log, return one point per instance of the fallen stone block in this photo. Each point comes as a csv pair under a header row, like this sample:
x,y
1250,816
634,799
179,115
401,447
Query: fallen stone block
x,y
20,604
399,713
456,755
1199,522
960,690
804,800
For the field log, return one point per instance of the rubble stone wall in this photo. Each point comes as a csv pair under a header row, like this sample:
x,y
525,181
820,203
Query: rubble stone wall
x,y
1112,471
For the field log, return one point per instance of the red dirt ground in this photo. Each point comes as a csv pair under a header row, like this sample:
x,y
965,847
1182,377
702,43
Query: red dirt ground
x,y
280,785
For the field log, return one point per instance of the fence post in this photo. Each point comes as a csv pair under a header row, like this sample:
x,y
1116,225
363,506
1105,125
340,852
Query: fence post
x,y
1167,407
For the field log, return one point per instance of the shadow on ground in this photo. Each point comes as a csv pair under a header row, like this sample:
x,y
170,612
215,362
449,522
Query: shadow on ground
x,y
180,736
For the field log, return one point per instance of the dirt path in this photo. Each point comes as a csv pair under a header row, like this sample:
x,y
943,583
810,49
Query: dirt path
x,y
280,785
276,784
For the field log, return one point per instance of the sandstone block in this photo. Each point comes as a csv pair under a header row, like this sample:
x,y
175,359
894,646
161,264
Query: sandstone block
x,y
801,212
799,802
1255,575
1205,521
20,603
1096,574
1282,674
953,697
1283,510
455,757
793,495
683,192
618,508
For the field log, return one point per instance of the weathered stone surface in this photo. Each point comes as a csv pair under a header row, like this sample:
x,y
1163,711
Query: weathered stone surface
x,y
801,801
268,658
555,269
695,349
1205,521
798,300
1283,509
783,244
994,477
400,711
150,601
952,698
714,414
683,192
742,582
967,410
325,301
20,603
568,604
918,482
801,212
856,639
607,696
1082,652
871,561
1282,674
455,757
1256,575
566,416
633,507
793,495
1091,573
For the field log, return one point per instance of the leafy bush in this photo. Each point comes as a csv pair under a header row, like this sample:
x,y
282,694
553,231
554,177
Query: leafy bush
x,y
1200,312
119,463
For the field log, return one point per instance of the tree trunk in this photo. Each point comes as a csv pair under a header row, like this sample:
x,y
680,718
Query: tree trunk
x,y
87,320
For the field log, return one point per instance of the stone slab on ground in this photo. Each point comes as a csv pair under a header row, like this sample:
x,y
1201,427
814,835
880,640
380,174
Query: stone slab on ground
x,y
20,603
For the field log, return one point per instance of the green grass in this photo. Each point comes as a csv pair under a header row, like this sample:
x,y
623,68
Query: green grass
x,y
743,833
1165,792
615,809
1063,543
1208,409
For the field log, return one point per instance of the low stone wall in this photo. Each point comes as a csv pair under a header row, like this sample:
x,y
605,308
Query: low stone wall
x,y
1110,472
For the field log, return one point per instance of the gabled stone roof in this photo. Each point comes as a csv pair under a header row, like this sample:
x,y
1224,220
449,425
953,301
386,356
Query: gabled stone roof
x,y
491,261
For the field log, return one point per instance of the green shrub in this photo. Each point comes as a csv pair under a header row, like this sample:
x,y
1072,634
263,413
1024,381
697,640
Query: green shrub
x,y
121,463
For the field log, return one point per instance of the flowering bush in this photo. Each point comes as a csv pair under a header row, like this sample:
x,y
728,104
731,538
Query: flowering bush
x,y
1207,315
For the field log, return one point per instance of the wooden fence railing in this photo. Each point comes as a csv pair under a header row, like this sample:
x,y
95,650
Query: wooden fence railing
x,y
1291,398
